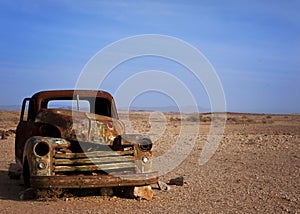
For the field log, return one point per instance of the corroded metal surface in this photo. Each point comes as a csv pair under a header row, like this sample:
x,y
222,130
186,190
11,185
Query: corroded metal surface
x,y
94,181
94,161
82,126
70,149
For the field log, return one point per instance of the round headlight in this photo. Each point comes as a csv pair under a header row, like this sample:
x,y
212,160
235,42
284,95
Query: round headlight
x,y
145,159
145,144
42,165
41,149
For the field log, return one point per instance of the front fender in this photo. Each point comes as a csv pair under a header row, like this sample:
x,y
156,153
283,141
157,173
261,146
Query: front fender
x,y
39,152
142,148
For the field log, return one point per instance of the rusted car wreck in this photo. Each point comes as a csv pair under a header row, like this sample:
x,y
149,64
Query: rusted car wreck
x,y
80,146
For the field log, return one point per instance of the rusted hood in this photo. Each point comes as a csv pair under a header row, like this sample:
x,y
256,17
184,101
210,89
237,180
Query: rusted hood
x,y
82,126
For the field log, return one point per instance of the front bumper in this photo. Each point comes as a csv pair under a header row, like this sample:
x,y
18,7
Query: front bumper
x,y
90,181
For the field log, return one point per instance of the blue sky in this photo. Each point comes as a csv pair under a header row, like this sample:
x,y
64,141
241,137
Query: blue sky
x,y
254,46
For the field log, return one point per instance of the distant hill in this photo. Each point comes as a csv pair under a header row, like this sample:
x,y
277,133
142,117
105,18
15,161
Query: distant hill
x,y
185,109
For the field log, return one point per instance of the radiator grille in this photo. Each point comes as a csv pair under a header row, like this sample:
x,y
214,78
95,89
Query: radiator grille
x,y
103,162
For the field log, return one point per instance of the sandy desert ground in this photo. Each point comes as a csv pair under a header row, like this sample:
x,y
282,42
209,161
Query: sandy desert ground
x,y
256,169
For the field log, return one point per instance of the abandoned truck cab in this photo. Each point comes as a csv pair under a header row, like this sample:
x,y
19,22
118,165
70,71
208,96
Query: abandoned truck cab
x,y
74,139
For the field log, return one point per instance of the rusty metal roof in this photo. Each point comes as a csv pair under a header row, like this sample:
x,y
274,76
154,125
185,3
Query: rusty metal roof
x,y
62,94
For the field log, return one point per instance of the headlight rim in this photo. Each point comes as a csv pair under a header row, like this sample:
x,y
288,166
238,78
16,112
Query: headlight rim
x,y
145,144
41,149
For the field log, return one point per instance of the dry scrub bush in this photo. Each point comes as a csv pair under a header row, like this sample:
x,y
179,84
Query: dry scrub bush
x,y
193,117
175,119
232,119
205,118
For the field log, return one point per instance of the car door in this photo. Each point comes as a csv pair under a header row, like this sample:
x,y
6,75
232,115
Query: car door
x,y
25,129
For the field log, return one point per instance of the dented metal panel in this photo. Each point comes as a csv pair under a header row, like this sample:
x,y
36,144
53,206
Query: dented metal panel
x,y
69,149
82,126
94,181
97,167
94,161
102,160
93,154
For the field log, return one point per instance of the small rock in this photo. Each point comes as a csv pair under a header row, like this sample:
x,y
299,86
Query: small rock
x,y
3,136
176,181
28,194
163,186
68,199
143,192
